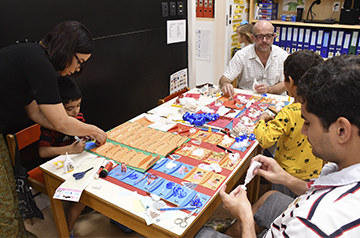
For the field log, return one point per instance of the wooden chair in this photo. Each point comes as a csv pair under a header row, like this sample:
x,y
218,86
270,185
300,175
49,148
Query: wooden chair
x,y
171,96
25,138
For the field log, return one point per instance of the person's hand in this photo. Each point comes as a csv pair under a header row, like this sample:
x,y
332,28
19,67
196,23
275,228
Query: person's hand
x,y
228,89
266,117
270,170
100,137
77,147
262,88
236,202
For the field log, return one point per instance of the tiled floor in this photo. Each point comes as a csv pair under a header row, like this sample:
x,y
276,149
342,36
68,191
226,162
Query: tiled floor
x,y
93,224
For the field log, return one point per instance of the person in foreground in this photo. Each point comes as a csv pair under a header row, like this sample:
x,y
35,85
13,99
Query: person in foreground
x,y
28,79
257,67
329,205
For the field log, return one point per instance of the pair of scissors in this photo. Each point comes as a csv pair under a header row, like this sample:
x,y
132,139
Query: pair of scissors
x,y
182,222
80,175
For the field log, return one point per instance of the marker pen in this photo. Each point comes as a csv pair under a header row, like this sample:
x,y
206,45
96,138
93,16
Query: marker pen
x,y
104,172
96,176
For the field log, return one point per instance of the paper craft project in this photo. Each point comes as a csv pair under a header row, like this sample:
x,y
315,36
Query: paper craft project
x,y
235,104
200,135
227,163
222,122
144,121
226,141
214,181
167,190
185,149
199,153
122,154
198,175
173,168
241,146
214,157
146,138
214,138
182,130
183,171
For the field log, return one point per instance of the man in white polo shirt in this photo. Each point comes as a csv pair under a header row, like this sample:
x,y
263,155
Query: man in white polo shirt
x,y
329,205
259,66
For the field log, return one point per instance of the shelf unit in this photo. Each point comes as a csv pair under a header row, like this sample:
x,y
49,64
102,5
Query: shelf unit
x,y
302,24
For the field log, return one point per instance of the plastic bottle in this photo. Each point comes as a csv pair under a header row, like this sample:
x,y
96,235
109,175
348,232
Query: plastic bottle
x,y
69,164
250,173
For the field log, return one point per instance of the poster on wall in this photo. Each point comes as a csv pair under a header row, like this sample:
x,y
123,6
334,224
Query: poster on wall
x,y
178,81
176,31
292,5
203,46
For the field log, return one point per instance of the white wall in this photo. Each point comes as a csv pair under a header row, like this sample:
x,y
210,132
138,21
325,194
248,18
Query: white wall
x,y
191,43
210,71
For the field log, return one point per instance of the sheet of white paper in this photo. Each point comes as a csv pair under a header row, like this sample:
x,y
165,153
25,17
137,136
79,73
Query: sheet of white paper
x,y
71,189
203,45
176,31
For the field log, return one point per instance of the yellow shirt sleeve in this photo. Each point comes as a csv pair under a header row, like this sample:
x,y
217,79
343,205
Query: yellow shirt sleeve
x,y
269,133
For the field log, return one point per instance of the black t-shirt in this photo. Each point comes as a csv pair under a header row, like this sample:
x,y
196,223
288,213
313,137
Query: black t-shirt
x,y
26,74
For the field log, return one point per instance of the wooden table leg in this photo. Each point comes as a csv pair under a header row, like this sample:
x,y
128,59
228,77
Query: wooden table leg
x,y
56,206
253,189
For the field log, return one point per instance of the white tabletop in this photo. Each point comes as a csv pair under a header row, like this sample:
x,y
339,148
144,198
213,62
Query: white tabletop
x,y
124,198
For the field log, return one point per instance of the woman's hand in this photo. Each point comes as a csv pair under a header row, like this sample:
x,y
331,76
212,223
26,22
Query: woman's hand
x,y
100,137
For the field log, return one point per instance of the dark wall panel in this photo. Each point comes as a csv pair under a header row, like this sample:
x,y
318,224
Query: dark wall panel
x,y
130,69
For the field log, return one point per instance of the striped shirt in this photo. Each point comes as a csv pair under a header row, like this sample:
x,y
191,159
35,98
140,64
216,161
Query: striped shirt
x,y
55,138
330,208
247,67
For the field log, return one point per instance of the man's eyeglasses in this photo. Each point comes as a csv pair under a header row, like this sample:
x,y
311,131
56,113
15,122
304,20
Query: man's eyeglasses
x,y
267,36
81,64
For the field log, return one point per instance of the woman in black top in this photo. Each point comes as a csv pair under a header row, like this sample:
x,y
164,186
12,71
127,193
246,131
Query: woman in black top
x,y
28,78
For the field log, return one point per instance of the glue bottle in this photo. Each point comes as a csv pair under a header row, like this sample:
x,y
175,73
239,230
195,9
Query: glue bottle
x,y
69,164
104,172
250,173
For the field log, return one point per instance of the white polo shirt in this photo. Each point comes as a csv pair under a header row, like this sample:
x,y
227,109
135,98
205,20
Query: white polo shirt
x,y
246,66
330,208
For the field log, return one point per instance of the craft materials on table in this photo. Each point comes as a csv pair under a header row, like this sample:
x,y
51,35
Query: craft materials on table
x,y
182,222
250,173
137,145
176,208
249,107
72,188
80,175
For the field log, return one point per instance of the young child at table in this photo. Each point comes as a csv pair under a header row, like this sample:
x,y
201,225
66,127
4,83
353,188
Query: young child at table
x,y
293,151
53,143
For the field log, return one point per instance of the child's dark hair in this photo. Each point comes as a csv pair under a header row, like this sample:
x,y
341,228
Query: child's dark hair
x,y
69,90
299,62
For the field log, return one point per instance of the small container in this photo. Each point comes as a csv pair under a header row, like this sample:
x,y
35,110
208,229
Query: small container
x,y
283,17
69,164
293,17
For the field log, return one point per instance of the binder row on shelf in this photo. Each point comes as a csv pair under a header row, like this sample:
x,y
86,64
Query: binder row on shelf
x,y
205,8
325,42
